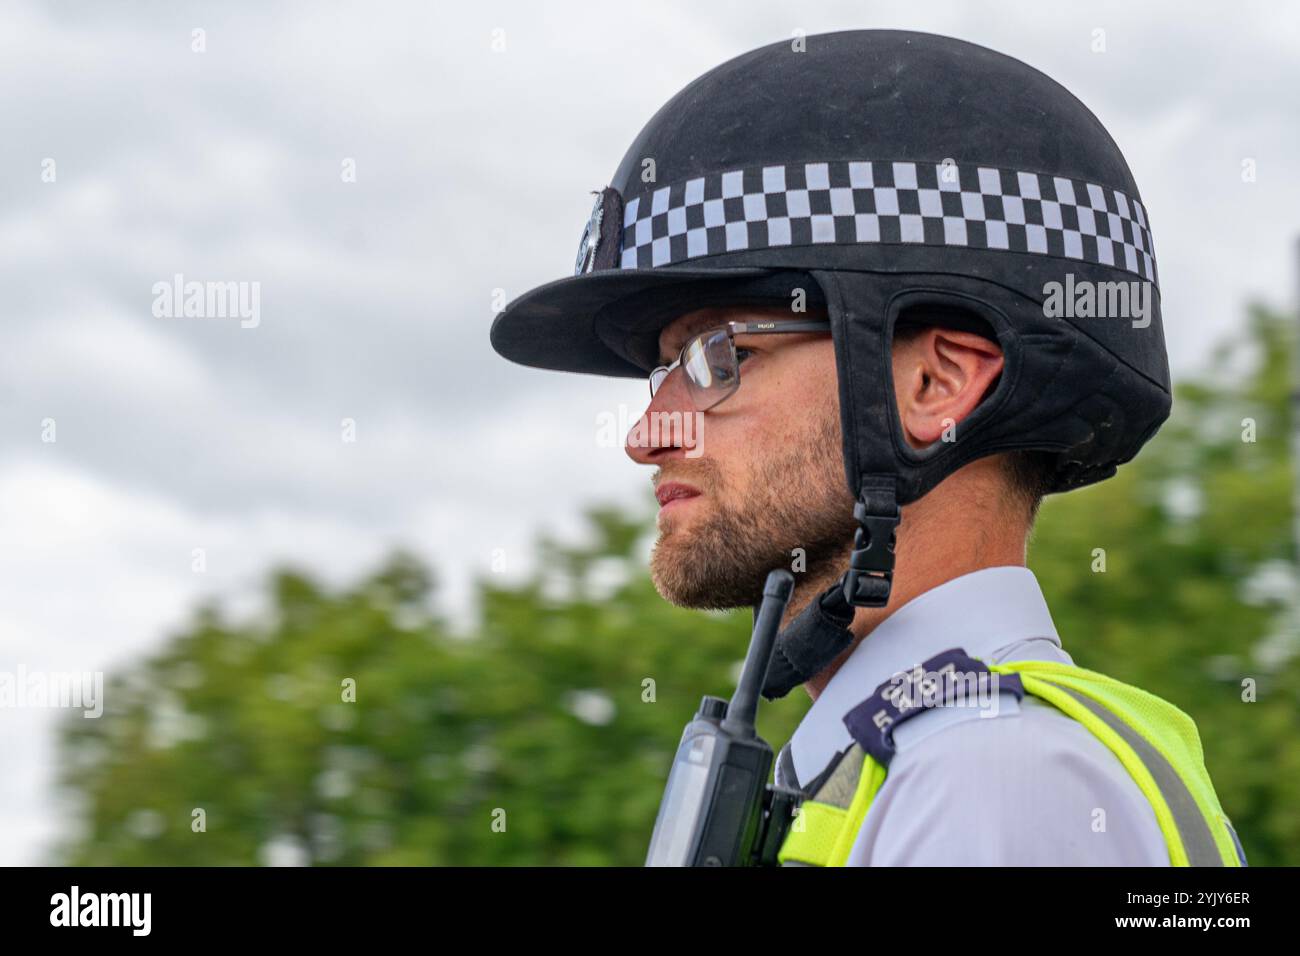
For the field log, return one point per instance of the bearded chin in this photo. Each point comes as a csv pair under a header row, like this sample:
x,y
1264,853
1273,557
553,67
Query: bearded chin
x,y
715,564
722,560
801,510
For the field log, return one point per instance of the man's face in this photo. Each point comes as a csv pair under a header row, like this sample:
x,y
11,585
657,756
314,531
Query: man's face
x,y
761,477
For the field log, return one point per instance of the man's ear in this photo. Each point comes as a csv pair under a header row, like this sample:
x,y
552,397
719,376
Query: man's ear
x,y
940,377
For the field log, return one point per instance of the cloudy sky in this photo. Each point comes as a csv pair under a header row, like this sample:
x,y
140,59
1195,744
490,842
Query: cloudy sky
x,y
129,156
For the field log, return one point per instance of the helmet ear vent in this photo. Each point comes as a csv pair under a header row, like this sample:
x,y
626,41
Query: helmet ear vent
x,y
914,319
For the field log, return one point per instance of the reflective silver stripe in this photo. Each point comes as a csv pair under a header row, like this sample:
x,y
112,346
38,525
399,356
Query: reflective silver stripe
x,y
842,785
1198,841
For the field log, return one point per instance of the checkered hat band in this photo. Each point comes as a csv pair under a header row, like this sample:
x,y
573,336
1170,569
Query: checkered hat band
x,y
845,202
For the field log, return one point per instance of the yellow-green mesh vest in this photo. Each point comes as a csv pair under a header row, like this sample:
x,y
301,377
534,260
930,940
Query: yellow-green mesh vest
x,y
1155,741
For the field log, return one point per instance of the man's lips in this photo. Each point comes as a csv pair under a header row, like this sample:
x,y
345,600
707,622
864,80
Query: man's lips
x,y
673,491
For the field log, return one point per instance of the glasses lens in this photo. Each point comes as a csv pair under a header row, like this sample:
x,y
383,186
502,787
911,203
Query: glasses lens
x,y
657,379
710,363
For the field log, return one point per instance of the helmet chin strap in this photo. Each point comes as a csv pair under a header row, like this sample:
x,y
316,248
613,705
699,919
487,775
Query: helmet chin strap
x,y
820,632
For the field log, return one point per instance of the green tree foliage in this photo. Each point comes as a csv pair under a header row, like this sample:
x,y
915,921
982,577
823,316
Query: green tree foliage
x,y
544,736
1199,567
558,717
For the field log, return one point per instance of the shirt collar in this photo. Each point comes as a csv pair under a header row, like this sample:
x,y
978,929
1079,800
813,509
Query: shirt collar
x,y
979,612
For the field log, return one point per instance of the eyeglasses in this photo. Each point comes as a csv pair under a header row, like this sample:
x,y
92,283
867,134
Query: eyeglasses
x,y
710,361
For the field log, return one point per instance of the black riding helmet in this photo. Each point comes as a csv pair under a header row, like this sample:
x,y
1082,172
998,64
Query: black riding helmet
x,y
879,172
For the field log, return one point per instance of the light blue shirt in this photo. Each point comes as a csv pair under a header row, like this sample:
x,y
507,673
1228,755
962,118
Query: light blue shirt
x,y
1026,787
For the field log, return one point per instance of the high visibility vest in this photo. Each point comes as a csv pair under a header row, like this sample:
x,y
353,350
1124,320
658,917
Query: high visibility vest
x,y
1155,741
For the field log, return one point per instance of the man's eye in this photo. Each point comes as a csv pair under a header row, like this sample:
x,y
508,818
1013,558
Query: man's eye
x,y
742,354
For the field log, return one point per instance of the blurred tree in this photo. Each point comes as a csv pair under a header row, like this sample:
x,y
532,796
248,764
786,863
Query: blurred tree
x,y
559,715
1199,572
563,712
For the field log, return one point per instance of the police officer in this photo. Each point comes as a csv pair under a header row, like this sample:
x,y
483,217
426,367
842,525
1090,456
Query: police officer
x,y
831,258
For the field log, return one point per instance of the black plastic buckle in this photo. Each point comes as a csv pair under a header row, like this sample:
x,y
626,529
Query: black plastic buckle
x,y
779,805
871,567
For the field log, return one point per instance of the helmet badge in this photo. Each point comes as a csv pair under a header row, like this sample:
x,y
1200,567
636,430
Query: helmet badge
x,y
590,239
601,239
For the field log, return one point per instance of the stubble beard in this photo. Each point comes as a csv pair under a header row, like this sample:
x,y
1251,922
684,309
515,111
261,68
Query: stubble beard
x,y
800,501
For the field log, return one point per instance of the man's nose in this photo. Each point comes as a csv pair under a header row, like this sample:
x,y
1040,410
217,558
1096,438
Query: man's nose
x,y
661,431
